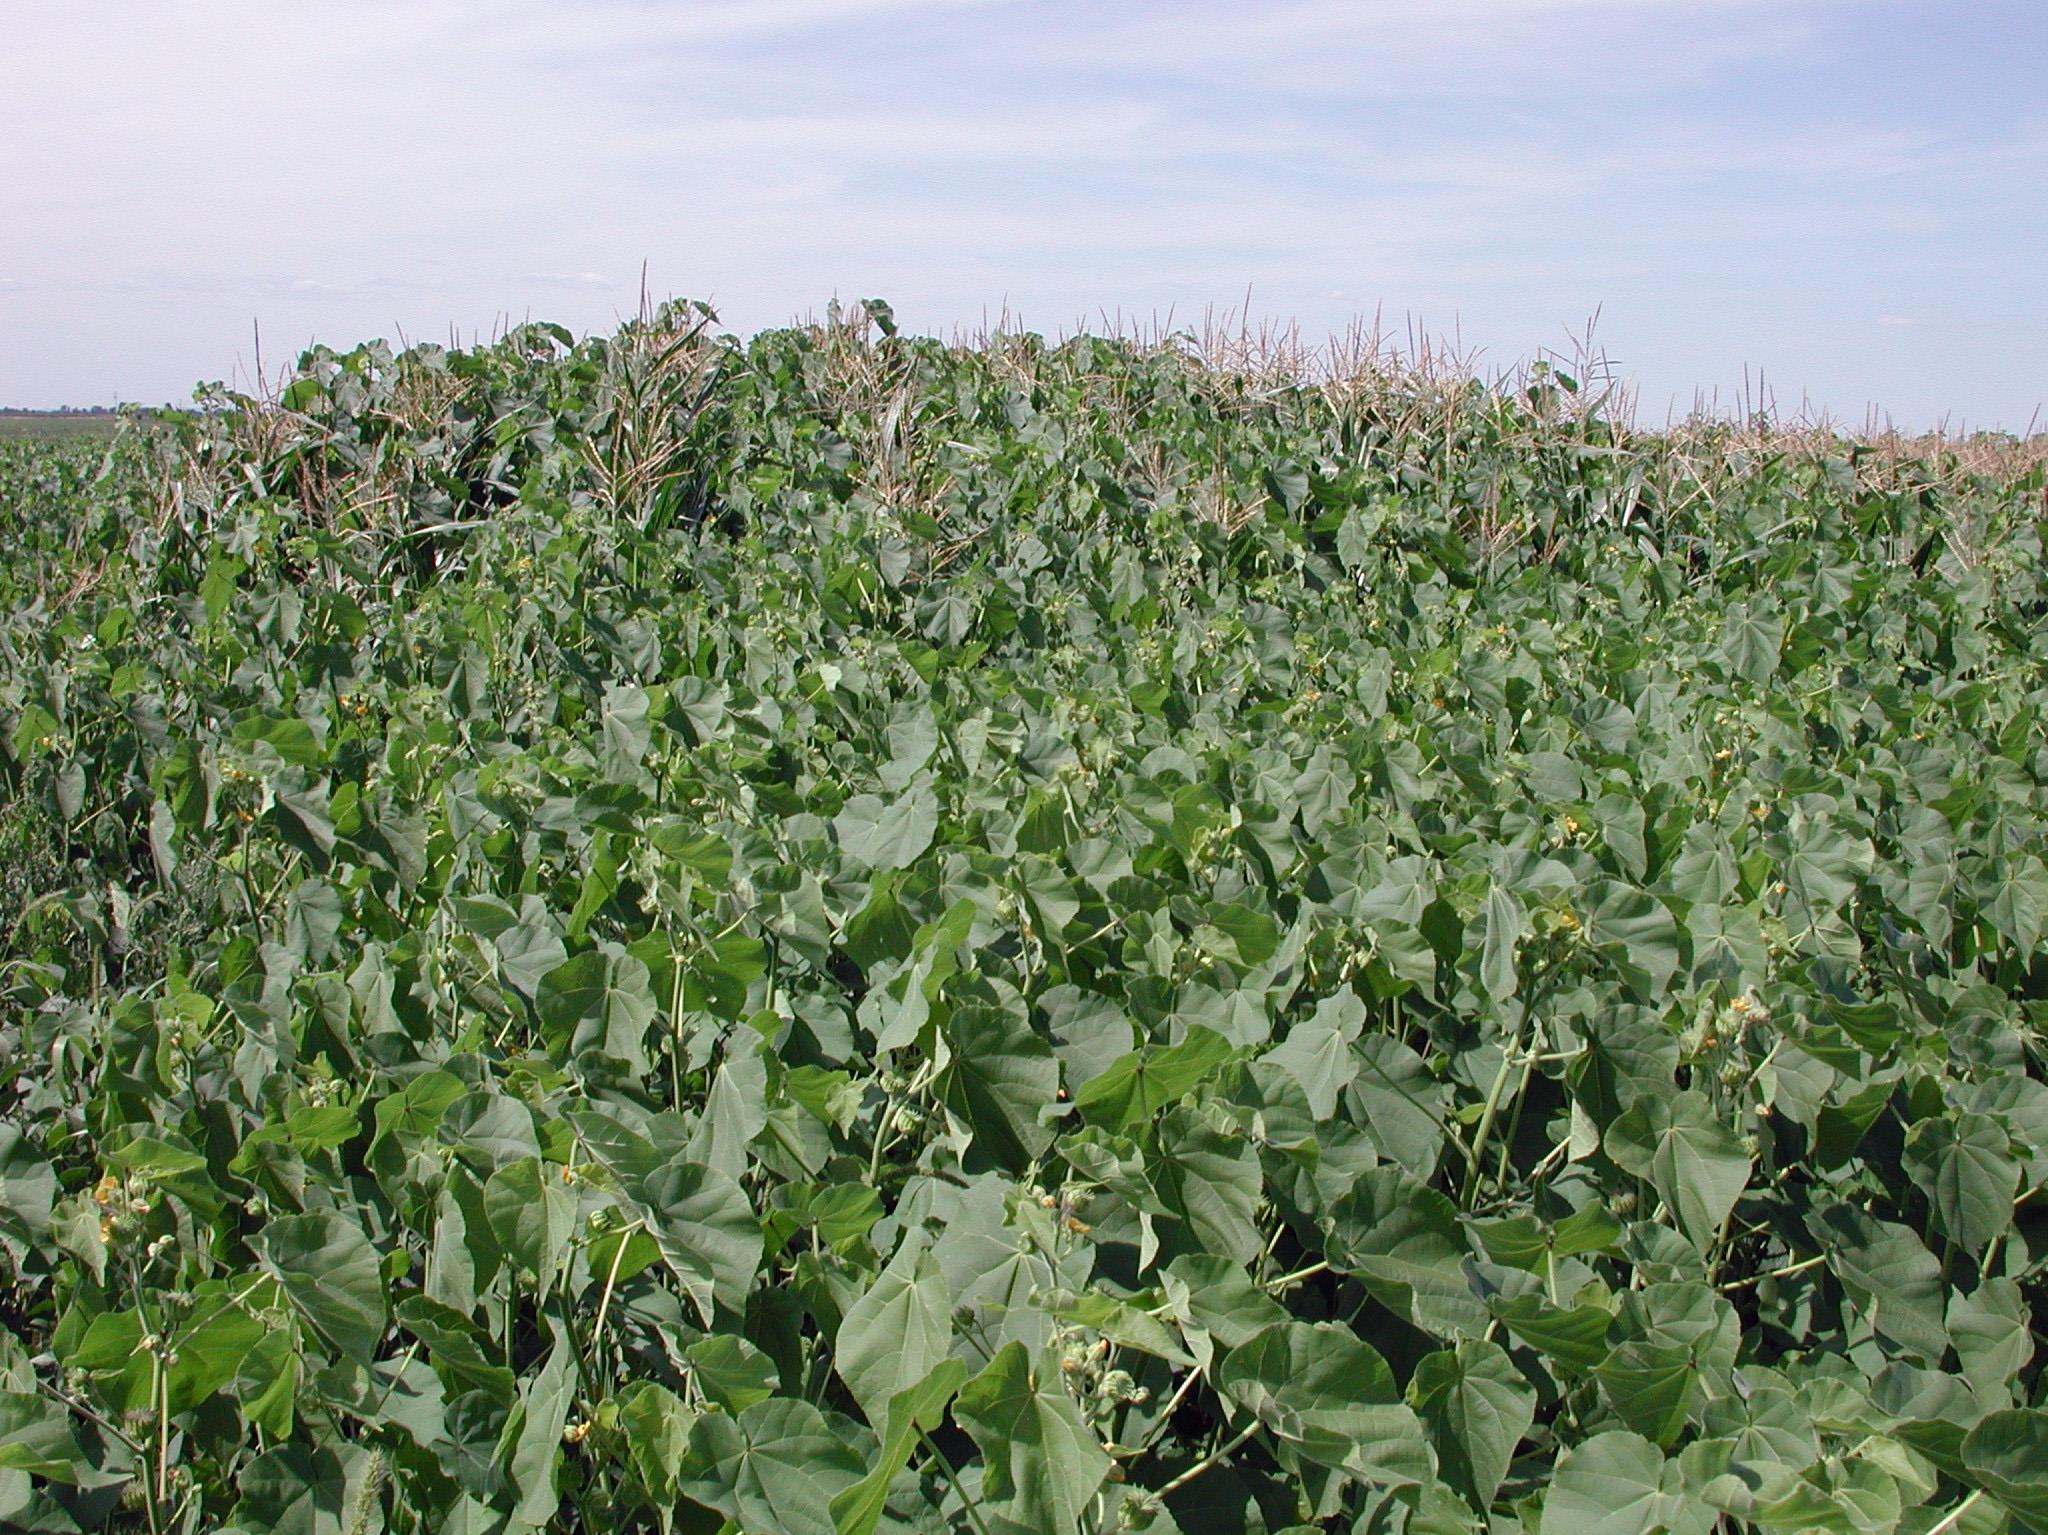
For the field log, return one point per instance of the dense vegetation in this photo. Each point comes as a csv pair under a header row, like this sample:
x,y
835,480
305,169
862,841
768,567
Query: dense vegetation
x,y
47,424
842,933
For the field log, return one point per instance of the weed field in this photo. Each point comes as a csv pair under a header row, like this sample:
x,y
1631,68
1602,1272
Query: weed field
x,y
840,933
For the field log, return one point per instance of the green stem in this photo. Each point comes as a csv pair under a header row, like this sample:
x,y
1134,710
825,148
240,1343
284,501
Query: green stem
x,y
1487,1115
1214,1458
75,1405
611,1278
972,1506
1954,1516
1507,1144
885,1137
1793,1268
1159,1429
162,1395
1287,1281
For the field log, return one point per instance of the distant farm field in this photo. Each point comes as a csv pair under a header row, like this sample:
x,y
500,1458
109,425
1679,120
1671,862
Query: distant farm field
x,y
839,933
32,424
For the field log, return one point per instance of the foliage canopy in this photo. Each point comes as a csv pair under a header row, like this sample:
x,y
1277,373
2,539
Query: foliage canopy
x,y
845,934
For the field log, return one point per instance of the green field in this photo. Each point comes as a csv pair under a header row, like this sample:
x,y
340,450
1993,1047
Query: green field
x,y
44,425
840,933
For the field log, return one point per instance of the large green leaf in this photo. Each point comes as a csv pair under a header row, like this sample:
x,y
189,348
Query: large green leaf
x,y
731,1372
1503,923
1528,1243
598,1002
884,834
1574,1337
707,1232
1209,1180
1330,1399
1401,1103
1621,1484
1136,1086
2016,901
219,1341
1635,933
913,1412
1404,1241
1653,1387
1751,639
532,1212
1823,864
624,728
36,1437
28,1191
1317,1051
1000,1078
1477,1408
293,1490
896,1334
2007,1455
531,1447
1889,1271
773,1470
1216,1303
1694,1161
1964,1165
330,1272
1992,1331
1042,1463
527,954
657,1429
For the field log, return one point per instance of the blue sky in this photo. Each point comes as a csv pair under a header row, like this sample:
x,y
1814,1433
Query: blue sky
x,y
1849,197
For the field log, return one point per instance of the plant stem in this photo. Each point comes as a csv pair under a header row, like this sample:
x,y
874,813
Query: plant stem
x,y
1165,1417
972,1505
1285,1281
1792,1268
163,1428
1507,1144
1954,1516
1486,1116
611,1278
1215,1457
84,1411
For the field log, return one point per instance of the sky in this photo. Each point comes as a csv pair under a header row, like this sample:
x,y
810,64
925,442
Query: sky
x,y
1844,199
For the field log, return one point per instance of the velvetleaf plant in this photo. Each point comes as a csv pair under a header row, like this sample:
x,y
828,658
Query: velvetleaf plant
x,y
840,933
